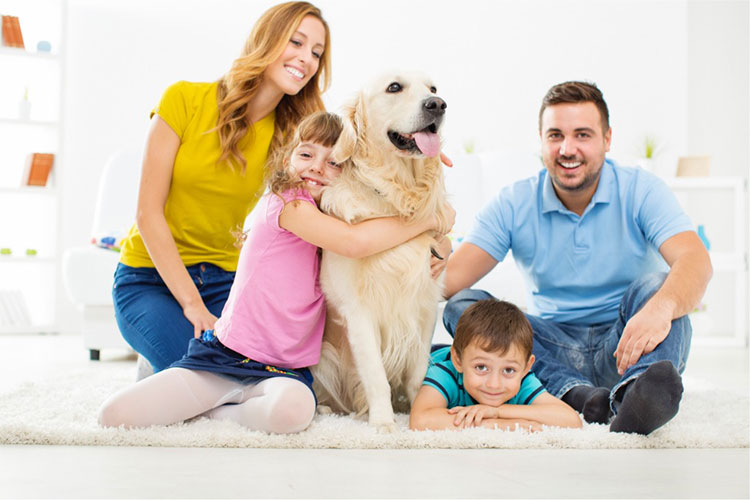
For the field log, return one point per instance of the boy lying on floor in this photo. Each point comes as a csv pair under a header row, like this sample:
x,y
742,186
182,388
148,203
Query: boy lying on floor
x,y
484,380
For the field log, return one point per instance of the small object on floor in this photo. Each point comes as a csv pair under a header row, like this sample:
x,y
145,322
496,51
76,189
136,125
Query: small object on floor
x,y
650,401
143,368
592,402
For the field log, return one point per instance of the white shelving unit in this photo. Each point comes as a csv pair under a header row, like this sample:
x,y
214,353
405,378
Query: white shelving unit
x,y
31,123
719,205
30,214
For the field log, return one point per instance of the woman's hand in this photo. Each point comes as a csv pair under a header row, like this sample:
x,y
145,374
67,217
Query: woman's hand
x,y
200,317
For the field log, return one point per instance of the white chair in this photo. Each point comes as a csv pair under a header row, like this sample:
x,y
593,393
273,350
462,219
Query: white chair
x,y
88,270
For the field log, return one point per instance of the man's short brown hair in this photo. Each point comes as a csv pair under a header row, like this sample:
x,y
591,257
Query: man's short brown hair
x,y
496,326
575,92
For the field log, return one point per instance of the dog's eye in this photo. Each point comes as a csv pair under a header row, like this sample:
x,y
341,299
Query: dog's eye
x,y
433,90
394,87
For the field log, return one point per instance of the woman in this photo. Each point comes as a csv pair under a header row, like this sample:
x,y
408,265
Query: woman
x,y
203,172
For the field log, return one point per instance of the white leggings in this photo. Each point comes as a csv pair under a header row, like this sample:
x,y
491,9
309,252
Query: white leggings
x,y
278,404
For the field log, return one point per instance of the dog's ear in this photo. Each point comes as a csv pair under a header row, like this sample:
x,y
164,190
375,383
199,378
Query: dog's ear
x,y
353,117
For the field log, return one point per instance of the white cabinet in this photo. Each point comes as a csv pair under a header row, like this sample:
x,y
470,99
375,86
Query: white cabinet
x,y
29,215
718,209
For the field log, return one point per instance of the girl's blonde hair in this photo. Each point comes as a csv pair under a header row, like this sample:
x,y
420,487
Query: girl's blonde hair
x,y
321,128
266,43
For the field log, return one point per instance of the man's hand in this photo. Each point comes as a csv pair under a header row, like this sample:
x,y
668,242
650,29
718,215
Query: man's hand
x,y
646,329
444,250
471,416
446,161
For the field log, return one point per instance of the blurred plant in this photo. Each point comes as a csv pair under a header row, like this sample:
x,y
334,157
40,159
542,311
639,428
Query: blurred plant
x,y
469,146
651,145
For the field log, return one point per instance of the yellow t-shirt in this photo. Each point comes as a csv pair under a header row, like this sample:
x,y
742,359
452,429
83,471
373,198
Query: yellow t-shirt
x,y
206,201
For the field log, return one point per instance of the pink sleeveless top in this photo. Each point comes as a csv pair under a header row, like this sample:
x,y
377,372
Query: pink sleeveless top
x,y
275,312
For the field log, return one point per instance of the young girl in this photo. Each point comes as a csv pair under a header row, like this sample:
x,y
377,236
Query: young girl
x,y
253,369
203,172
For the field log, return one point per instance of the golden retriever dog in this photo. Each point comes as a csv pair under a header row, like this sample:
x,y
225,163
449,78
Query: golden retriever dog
x,y
382,308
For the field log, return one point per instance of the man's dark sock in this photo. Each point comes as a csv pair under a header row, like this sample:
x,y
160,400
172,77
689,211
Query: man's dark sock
x,y
593,402
650,401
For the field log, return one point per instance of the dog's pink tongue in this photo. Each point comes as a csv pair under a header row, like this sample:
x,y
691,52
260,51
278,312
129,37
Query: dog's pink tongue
x,y
428,143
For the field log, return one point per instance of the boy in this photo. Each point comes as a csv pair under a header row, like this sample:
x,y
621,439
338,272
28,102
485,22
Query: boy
x,y
484,380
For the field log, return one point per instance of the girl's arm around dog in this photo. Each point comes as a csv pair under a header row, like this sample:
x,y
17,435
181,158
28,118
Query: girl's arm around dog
x,y
354,240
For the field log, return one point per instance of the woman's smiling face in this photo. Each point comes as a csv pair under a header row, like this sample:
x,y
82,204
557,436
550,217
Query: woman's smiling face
x,y
301,58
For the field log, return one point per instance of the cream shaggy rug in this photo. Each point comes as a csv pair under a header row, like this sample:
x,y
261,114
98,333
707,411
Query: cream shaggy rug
x,y
62,411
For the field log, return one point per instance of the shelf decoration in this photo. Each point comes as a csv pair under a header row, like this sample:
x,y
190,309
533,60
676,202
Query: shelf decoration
x,y
693,166
12,36
24,106
13,309
703,237
109,242
38,167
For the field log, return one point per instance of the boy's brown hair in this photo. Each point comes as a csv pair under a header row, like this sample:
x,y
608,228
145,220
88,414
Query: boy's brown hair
x,y
496,326
575,92
321,128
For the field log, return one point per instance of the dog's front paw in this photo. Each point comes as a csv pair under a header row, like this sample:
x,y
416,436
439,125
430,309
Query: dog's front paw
x,y
324,410
383,421
386,427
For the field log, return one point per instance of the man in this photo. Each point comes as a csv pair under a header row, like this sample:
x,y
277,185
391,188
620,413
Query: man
x,y
611,335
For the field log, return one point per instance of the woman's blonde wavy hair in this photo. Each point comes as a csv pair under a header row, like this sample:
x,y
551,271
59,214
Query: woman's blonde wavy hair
x,y
266,43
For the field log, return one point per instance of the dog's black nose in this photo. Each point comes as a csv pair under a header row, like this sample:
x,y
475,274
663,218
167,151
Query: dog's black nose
x,y
435,106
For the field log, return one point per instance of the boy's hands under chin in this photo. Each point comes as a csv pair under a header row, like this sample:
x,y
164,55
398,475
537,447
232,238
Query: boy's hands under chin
x,y
489,416
471,416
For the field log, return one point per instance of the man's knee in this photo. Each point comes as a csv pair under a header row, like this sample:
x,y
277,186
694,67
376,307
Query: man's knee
x,y
641,290
457,304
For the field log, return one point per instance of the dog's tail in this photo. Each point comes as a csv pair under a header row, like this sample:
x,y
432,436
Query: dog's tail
x,y
328,379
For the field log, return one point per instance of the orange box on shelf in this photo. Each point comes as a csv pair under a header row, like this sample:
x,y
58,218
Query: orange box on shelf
x,y
12,36
8,32
17,30
38,167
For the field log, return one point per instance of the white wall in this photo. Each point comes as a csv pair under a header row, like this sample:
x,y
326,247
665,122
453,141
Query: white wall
x,y
719,84
492,60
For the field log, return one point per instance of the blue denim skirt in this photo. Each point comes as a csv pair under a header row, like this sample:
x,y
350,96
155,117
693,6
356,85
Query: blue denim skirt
x,y
208,354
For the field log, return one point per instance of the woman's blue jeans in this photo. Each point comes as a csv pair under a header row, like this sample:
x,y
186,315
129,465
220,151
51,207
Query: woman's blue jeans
x,y
151,319
568,355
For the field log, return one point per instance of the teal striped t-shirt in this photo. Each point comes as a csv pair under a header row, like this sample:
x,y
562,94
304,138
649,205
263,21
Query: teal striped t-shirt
x,y
443,376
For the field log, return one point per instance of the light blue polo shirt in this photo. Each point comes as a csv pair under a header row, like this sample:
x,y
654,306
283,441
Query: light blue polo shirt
x,y
577,268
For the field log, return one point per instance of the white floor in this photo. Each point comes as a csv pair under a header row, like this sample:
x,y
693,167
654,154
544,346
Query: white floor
x,y
127,472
